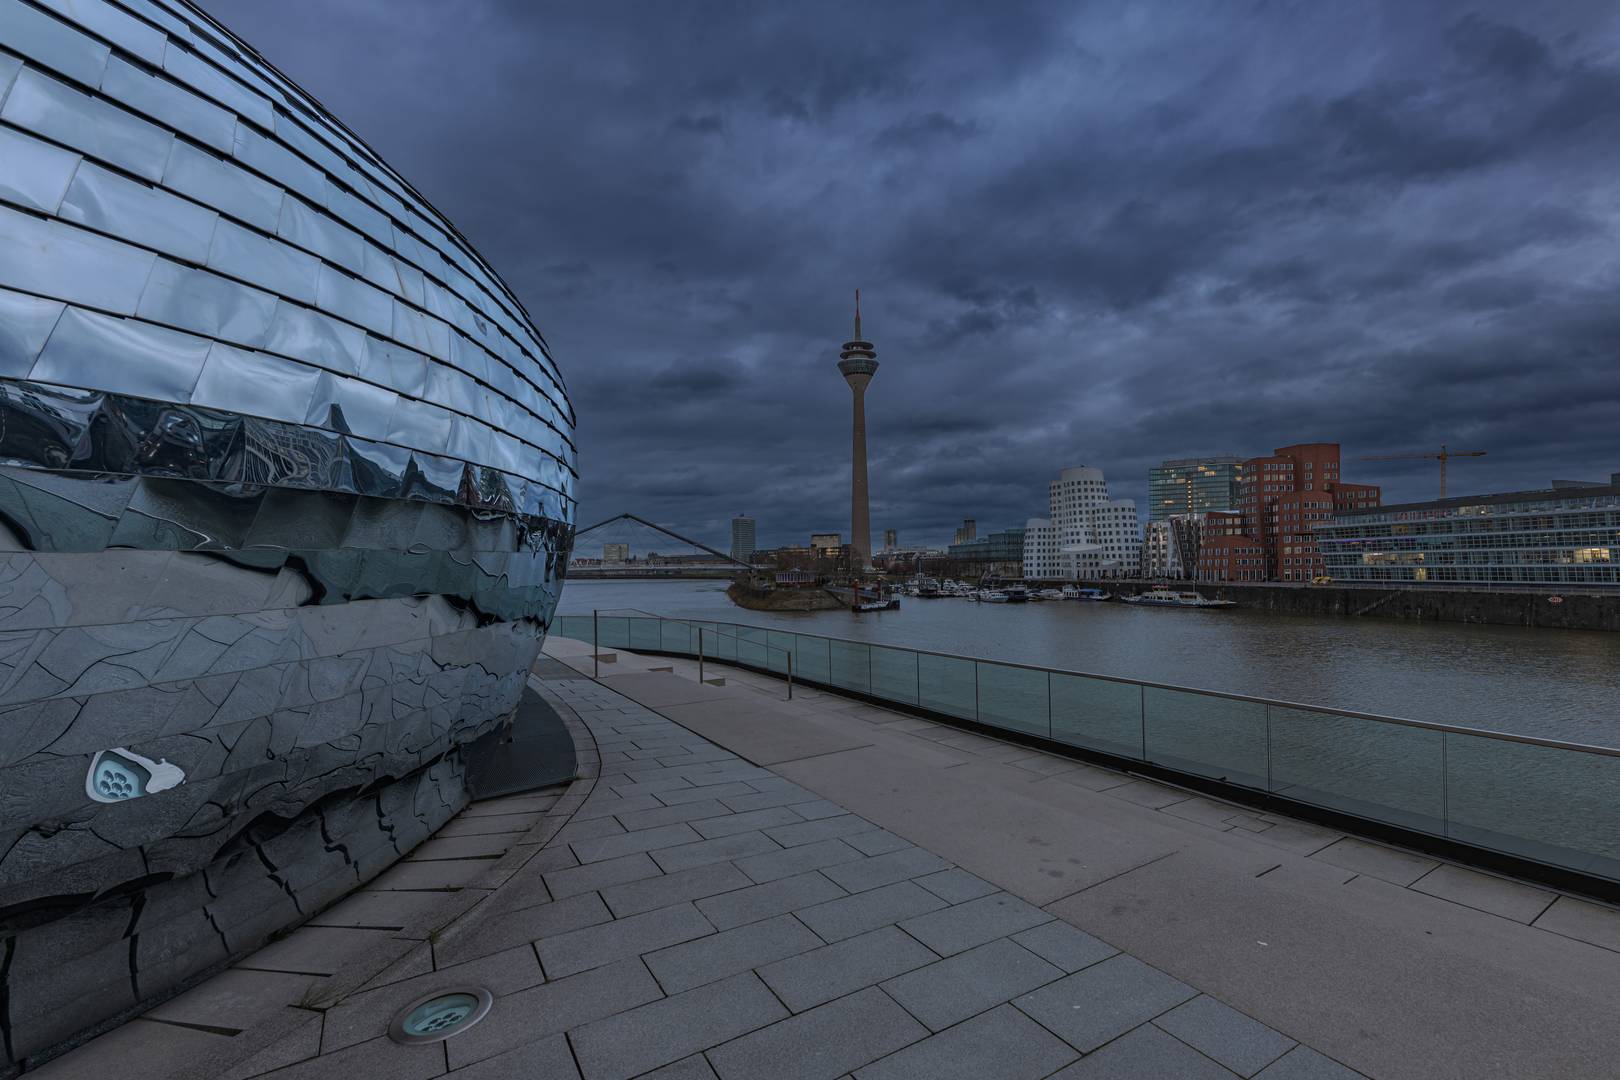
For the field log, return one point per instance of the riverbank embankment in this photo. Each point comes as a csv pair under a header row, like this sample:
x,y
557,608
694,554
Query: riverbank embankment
x,y
1550,609
784,599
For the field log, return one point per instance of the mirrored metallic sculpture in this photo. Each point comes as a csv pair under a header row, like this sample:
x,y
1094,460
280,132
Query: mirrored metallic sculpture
x,y
286,493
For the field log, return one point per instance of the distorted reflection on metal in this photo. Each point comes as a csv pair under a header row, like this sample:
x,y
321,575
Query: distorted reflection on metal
x,y
286,497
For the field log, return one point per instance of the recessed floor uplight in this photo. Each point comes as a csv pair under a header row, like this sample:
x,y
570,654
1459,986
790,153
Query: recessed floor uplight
x,y
440,1015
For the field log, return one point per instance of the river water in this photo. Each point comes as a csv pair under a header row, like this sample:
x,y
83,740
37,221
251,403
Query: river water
x,y
1557,684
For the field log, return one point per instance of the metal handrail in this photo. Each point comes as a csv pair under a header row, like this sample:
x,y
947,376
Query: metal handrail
x,y
711,630
1429,725
614,613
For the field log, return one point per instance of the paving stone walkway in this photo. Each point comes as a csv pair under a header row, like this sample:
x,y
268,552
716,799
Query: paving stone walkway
x,y
702,917
683,912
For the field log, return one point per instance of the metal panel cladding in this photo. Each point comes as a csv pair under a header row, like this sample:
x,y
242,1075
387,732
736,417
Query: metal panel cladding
x,y
286,490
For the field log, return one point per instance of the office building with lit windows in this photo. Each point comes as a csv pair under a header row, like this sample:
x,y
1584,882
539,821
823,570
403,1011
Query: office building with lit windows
x,y
1193,485
1565,535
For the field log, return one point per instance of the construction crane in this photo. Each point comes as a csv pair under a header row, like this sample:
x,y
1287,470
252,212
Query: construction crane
x,y
1443,456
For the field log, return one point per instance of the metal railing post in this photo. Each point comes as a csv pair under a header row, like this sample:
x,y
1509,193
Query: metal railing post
x,y
1142,706
596,648
1049,728
1445,787
1269,784
790,676
700,654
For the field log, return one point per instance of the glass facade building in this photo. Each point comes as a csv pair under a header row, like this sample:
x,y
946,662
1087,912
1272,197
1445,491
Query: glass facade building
x,y
286,490
1193,486
998,552
1561,536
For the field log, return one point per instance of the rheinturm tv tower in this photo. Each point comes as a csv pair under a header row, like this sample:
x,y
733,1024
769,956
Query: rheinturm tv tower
x,y
858,362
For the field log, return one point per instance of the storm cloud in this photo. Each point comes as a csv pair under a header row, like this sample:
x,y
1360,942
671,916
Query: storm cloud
x,y
1104,234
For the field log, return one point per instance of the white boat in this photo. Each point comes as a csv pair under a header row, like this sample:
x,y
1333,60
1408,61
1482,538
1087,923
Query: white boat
x,y
890,604
1172,598
1049,594
1072,592
991,596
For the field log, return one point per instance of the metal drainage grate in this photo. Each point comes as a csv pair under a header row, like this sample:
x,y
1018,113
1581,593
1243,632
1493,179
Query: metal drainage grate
x,y
440,1015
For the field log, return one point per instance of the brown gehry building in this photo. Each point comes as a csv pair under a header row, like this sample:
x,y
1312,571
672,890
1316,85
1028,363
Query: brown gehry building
x,y
1281,498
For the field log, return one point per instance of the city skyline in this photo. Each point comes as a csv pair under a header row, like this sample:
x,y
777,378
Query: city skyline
x,y
1384,228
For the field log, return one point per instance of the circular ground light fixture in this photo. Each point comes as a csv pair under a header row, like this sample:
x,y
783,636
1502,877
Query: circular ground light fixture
x,y
439,1015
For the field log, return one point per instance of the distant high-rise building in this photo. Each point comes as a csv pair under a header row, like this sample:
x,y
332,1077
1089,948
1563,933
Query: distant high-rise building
x,y
1193,485
1281,500
1087,536
615,552
968,531
826,543
858,363
891,540
742,538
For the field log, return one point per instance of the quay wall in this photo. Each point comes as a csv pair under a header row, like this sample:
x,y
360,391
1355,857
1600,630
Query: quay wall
x,y
1572,611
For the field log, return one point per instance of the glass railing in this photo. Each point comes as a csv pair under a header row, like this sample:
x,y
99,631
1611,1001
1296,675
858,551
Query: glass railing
x,y
727,643
1553,803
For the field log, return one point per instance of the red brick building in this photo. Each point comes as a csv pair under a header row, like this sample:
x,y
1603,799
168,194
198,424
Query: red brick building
x,y
1280,500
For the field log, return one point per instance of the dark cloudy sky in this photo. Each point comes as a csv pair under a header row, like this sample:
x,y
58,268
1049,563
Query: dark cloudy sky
x,y
1100,233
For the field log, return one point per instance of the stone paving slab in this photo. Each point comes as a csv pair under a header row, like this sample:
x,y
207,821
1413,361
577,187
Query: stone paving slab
x,y
1145,1053
1582,921
697,883
663,1031
593,946
1487,892
1303,1063
1241,1044
1001,1043
729,952
953,989
956,885
848,916
786,862
974,922
1102,1002
772,898
821,1044
819,975
1376,860
1063,945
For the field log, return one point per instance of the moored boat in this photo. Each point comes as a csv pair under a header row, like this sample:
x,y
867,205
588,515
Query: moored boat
x,y
1173,598
1072,592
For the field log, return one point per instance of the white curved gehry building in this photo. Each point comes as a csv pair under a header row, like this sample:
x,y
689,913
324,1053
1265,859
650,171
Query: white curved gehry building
x,y
1087,535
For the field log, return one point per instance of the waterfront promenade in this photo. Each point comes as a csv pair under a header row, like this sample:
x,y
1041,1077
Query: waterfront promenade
x,y
759,888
